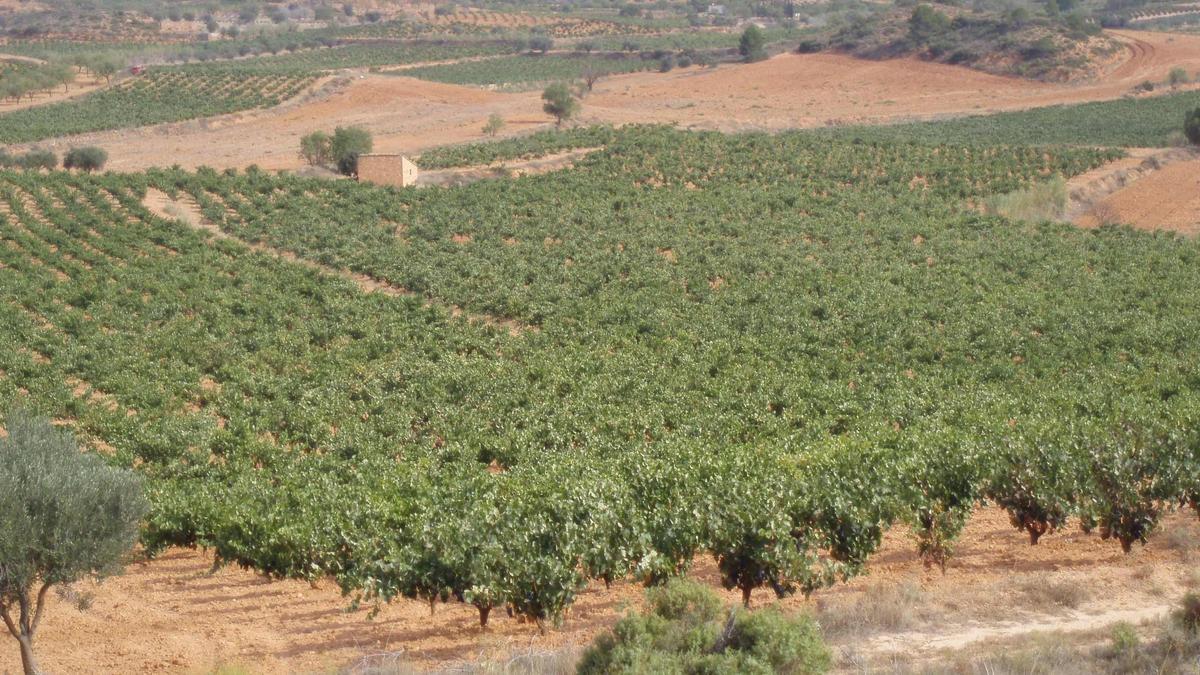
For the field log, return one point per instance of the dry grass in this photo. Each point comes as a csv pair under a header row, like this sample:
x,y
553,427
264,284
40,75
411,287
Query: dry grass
x,y
1044,201
1185,539
884,609
1047,594
525,662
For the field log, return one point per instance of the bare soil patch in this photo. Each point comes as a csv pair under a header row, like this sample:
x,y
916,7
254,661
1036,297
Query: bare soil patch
x,y
511,169
788,91
1165,199
173,615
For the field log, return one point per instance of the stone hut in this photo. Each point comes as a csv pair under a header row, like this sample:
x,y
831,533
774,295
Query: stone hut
x,y
394,170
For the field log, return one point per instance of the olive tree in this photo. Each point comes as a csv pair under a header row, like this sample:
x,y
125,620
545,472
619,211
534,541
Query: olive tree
x,y
1191,126
88,158
560,102
316,148
494,124
64,515
346,145
753,44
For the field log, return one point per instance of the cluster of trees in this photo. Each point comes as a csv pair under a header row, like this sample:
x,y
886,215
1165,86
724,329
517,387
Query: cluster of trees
x,y
340,150
33,160
88,158
18,82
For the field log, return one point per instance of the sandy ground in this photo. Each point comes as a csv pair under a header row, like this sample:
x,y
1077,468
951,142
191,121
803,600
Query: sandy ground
x,y
787,91
174,615
1167,199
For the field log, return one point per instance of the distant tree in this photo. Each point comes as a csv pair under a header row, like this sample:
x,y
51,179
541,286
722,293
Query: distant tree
x,y
210,24
248,13
752,46
88,158
104,67
65,515
1177,76
1191,126
926,23
494,124
540,44
373,17
39,159
590,74
346,145
316,148
560,102
324,13
348,9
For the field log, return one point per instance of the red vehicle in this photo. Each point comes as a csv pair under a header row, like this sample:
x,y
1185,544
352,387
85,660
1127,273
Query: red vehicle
x,y
136,70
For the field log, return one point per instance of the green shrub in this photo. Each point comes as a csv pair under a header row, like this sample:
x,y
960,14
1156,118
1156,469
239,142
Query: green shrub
x,y
753,44
88,158
1187,616
1191,126
316,148
346,145
1124,639
1177,76
687,630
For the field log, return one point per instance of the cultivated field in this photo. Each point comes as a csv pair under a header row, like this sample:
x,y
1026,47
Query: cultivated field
x,y
784,327
788,91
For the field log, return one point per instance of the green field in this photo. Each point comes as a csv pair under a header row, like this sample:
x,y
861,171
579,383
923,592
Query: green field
x,y
529,68
160,95
1142,122
767,349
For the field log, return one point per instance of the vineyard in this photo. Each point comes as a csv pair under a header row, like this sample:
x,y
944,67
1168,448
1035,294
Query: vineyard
x,y
378,54
767,349
529,68
162,95
1144,122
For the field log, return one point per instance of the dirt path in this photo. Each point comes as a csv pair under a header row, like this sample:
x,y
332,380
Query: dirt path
x,y
512,169
185,210
23,59
963,637
171,615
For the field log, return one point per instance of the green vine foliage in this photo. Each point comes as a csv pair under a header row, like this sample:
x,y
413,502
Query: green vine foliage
x,y
764,349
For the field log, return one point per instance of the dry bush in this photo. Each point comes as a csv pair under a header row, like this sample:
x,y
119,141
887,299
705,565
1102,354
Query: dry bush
x,y
1104,213
1050,594
1044,201
881,609
1184,539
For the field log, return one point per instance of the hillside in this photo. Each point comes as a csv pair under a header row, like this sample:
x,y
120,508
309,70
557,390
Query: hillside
x,y
1048,48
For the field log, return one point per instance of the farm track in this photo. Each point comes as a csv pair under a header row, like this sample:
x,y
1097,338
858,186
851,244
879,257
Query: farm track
x,y
185,210
511,169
